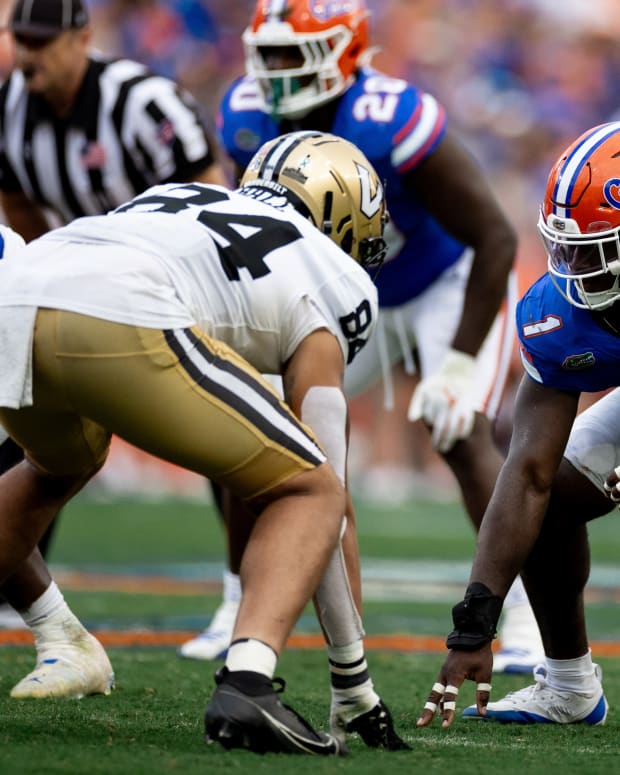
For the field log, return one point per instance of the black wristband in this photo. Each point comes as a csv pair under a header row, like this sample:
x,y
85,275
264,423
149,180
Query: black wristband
x,y
475,619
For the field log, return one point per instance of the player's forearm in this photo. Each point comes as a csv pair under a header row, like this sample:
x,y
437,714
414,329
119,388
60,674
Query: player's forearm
x,y
485,293
509,530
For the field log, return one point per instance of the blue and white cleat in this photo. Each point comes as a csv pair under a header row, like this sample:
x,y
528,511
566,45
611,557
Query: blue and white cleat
x,y
517,661
542,704
521,645
213,643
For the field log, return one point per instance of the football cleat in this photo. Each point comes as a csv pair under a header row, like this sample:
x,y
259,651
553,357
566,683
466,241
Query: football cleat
x,y
72,669
258,721
542,704
516,660
375,727
213,642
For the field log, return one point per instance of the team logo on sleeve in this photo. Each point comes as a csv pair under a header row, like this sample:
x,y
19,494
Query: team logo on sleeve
x,y
579,362
246,139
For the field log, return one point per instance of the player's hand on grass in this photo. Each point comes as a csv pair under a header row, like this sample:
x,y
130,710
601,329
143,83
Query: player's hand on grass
x,y
458,667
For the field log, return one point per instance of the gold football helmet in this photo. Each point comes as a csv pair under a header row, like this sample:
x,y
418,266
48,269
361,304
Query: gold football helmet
x,y
332,183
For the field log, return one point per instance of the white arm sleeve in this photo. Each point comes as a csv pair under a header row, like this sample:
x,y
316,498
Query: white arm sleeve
x,y
324,409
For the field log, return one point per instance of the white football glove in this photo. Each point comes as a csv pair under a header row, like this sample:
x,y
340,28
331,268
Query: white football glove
x,y
443,401
612,486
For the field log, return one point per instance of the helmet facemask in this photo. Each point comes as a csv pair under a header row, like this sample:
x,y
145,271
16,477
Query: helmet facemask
x,y
314,76
585,268
304,53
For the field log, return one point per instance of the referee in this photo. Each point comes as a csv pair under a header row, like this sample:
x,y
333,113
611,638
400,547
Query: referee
x,y
81,134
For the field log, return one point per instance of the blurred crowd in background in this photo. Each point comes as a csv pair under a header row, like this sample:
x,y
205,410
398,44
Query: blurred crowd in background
x,y
520,79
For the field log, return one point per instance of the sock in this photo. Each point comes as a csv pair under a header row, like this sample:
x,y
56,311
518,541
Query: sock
x,y
51,620
253,655
350,680
51,604
232,587
572,674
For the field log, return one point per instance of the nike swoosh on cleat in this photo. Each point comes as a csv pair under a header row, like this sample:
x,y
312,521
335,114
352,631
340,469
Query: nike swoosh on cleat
x,y
309,746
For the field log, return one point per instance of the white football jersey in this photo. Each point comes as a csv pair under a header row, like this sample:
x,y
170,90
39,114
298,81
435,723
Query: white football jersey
x,y
256,276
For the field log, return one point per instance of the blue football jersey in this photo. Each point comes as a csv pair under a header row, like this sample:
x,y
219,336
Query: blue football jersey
x,y
396,126
562,346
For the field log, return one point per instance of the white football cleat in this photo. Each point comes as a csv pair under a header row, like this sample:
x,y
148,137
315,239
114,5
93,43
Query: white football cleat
x,y
542,704
70,668
213,642
521,645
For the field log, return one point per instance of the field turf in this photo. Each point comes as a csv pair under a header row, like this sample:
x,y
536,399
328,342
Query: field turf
x,y
166,558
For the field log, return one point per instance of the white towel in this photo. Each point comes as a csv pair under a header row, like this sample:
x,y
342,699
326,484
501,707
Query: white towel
x,y
16,334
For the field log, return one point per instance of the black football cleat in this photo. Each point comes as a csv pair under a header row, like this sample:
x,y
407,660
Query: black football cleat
x,y
376,728
246,712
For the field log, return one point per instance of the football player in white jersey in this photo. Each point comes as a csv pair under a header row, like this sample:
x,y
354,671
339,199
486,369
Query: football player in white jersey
x,y
446,291
141,326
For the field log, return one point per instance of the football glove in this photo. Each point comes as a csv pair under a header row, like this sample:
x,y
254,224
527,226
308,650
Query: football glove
x,y
612,486
443,401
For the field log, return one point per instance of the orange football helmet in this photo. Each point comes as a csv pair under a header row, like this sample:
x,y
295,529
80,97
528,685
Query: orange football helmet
x,y
304,53
580,219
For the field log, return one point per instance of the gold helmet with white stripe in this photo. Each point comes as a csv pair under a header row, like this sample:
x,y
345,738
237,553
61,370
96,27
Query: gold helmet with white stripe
x,y
332,183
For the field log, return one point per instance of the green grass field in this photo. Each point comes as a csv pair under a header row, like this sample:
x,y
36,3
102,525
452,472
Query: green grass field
x,y
152,722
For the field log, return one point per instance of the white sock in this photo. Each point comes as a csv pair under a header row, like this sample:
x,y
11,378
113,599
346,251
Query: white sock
x,y
349,676
572,674
232,587
49,605
251,654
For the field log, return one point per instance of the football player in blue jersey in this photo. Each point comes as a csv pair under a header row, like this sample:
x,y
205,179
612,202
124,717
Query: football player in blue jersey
x,y
446,290
562,470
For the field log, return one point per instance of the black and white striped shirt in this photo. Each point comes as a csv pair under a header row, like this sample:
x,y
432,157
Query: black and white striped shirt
x,y
128,129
